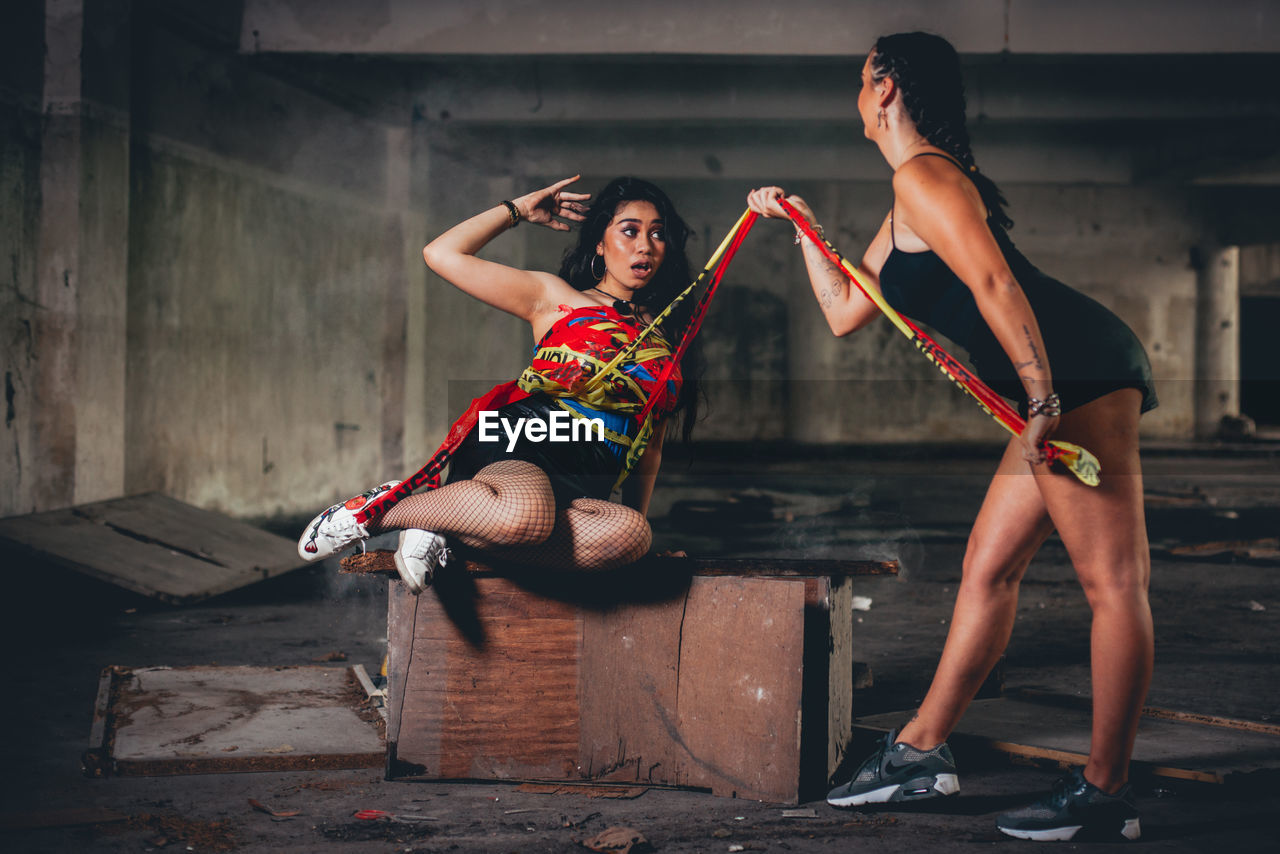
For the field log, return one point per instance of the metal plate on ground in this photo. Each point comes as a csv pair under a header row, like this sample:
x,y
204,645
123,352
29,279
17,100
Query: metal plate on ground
x,y
153,545
1056,729
199,720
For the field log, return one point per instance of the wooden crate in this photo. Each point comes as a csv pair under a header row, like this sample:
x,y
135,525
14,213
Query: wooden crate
x,y
736,679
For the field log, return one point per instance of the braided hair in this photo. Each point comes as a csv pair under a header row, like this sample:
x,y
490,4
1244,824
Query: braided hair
x,y
671,277
926,70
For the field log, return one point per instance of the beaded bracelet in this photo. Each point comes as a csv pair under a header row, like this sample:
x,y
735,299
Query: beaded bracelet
x,y
1051,406
513,212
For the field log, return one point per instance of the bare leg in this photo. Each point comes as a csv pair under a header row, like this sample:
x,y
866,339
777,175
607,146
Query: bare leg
x,y
1011,526
1104,531
507,503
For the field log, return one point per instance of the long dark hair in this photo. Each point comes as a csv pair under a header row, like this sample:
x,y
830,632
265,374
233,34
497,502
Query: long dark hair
x,y
926,70
672,277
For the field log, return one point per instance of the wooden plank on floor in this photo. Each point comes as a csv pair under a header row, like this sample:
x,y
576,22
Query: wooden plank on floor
x,y
1037,695
202,720
153,545
1166,746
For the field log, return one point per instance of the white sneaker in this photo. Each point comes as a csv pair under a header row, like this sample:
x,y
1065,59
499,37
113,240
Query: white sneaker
x,y
336,528
418,557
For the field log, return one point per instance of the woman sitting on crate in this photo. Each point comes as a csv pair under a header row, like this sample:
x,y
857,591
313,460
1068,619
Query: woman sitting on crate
x,y
598,357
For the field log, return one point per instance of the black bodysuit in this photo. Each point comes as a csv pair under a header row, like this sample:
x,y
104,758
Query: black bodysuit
x,y
1091,351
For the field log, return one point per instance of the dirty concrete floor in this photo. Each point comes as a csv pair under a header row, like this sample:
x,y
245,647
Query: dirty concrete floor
x,y
1218,652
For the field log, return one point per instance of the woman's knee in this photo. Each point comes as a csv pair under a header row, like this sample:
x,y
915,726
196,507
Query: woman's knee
x,y
526,504
609,535
636,545
989,571
530,522
1119,584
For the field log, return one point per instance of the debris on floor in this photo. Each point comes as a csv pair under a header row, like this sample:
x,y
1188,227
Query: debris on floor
x,y
1192,496
587,789
618,840
70,817
157,721
193,834
1266,548
271,811
357,830
153,545
335,655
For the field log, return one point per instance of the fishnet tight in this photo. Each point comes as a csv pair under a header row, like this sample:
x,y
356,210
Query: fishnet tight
x,y
509,509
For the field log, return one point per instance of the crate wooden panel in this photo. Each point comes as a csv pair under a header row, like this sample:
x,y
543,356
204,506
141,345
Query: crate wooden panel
x,y
504,709
740,684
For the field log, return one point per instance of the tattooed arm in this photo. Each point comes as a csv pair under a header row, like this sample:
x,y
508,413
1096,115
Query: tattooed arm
x,y
935,203
843,305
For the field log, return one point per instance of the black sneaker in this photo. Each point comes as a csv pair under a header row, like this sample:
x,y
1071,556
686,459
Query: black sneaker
x,y
897,773
1075,806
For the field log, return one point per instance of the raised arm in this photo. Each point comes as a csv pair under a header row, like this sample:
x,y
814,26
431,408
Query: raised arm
x,y
524,293
843,305
944,210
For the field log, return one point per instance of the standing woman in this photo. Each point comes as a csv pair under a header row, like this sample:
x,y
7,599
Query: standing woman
x,y
1078,373
545,503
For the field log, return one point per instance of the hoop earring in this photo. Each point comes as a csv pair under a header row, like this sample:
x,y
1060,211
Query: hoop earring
x,y
598,276
879,118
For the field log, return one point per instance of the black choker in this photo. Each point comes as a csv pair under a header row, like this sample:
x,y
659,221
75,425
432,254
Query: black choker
x,y
620,305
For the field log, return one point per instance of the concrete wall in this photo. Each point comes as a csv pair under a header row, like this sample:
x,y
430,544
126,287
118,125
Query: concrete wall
x,y
208,270
270,266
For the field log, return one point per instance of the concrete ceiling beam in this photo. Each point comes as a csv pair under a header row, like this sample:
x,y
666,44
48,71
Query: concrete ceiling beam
x,y
531,91
753,27
769,154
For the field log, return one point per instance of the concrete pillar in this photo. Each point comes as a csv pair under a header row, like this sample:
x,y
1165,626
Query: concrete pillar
x,y
77,424
396,318
1217,391
53,388
104,241
469,346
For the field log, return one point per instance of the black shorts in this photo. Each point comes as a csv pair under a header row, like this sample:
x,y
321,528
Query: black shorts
x,y
1092,352
581,469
